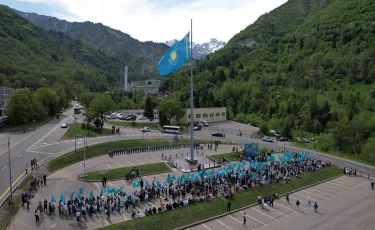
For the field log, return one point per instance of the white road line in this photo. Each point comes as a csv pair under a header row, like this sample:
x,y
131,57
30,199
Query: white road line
x,y
237,220
329,186
299,194
147,178
279,212
351,178
339,185
292,203
62,180
265,214
119,164
177,173
257,220
206,227
19,155
223,224
151,204
346,183
159,177
108,165
314,194
140,161
130,163
330,190
96,185
123,215
140,212
285,207
4,167
321,192
122,181
157,158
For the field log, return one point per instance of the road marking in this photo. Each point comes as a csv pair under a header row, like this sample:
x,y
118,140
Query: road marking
x,y
122,181
62,180
333,187
314,194
279,212
119,164
256,220
177,173
4,167
346,183
140,162
109,166
19,142
140,212
159,177
322,192
339,185
223,224
265,214
1,197
130,163
96,185
292,203
235,219
151,204
19,155
206,227
123,216
330,190
146,178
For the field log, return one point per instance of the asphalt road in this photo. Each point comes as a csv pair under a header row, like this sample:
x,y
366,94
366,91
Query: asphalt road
x,y
45,143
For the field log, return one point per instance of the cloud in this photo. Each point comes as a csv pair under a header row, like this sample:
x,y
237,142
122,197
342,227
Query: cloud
x,y
162,20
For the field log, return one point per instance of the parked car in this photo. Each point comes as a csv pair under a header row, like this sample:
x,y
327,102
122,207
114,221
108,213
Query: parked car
x,y
283,139
145,129
197,127
130,117
142,118
267,139
218,134
64,125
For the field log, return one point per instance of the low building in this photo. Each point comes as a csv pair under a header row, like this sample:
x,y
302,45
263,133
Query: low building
x,y
5,94
213,114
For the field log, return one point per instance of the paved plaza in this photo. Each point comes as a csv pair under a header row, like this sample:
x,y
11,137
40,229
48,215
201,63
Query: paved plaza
x,y
343,203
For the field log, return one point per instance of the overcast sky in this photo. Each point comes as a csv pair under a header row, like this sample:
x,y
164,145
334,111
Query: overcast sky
x,y
157,20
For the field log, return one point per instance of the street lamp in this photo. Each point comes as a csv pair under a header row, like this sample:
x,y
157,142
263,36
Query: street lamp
x,y
84,155
10,174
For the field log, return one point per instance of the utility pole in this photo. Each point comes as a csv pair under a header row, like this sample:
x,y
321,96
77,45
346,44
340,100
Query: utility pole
x,y
32,111
10,174
84,155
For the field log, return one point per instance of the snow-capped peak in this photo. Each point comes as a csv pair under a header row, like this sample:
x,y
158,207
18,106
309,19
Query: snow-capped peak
x,y
201,50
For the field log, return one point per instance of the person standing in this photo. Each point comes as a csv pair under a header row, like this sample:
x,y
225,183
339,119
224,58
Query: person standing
x,y
244,218
26,168
45,179
228,206
372,185
32,164
287,197
309,200
315,207
105,181
297,204
36,216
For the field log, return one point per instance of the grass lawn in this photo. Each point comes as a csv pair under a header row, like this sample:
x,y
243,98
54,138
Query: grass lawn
x,y
358,158
194,213
119,173
151,125
102,149
234,155
76,129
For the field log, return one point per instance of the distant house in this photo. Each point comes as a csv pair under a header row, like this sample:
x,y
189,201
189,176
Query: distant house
x,y
5,94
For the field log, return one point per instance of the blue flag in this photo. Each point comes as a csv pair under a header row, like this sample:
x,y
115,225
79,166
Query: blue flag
x,y
91,195
175,57
62,197
158,184
71,195
53,200
101,192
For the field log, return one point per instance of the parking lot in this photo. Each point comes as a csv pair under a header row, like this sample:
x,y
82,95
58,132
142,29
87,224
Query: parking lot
x,y
343,204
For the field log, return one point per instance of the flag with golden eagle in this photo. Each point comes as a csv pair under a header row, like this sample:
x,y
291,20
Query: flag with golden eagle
x,y
175,57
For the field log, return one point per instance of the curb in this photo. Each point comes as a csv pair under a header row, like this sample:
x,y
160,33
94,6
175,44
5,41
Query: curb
x,y
91,181
249,206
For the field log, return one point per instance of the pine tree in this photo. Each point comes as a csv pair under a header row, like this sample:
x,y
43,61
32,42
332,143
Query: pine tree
x,y
149,110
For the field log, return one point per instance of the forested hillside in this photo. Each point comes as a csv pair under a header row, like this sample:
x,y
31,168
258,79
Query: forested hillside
x,y
305,68
141,57
32,57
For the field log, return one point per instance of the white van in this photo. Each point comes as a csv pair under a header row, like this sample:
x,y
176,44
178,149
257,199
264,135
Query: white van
x,y
203,122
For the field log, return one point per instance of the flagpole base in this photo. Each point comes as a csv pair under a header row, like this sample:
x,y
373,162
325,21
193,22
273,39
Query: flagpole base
x,y
193,162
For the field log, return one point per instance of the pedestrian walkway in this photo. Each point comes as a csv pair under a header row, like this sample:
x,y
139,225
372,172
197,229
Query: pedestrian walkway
x,y
333,197
64,181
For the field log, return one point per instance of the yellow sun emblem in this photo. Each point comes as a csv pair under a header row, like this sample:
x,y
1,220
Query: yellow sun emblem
x,y
173,56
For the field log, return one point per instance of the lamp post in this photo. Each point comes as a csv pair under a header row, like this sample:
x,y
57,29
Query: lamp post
x,y
10,174
84,155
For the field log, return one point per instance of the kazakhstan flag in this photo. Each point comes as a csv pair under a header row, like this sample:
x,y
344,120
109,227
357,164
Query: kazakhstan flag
x,y
175,57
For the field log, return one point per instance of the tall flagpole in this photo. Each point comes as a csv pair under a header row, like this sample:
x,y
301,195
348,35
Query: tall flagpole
x,y
191,96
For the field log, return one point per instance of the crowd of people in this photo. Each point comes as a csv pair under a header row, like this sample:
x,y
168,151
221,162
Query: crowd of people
x,y
182,193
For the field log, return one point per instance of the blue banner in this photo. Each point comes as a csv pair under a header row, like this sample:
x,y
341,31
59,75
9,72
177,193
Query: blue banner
x,y
175,57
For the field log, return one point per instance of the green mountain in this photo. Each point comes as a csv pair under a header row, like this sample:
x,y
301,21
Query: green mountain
x,y
305,68
139,56
32,57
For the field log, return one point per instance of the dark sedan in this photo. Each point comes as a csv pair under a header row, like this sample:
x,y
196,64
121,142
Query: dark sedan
x,y
218,134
